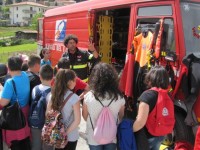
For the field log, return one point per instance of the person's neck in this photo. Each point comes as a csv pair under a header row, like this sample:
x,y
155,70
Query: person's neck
x,y
15,73
32,70
46,83
45,59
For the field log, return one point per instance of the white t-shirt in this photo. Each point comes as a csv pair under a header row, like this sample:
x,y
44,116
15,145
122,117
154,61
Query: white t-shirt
x,y
94,108
42,88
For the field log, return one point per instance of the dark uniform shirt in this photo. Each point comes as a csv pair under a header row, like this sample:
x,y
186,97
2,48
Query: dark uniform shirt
x,y
79,62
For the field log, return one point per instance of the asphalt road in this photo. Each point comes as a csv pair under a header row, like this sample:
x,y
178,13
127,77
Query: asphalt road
x,y
82,145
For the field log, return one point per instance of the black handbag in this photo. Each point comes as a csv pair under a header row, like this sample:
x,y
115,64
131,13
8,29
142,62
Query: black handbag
x,y
12,117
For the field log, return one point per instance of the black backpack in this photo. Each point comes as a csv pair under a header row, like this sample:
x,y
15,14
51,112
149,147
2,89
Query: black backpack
x,y
36,117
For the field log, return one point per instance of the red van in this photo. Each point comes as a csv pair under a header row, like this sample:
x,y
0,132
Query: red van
x,y
113,24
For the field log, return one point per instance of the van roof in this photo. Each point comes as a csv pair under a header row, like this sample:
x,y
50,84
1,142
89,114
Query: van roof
x,y
89,5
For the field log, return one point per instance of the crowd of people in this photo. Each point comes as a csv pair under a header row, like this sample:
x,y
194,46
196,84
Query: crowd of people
x,y
71,75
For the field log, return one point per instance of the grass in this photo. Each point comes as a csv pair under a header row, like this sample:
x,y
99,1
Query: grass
x,y
5,52
10,31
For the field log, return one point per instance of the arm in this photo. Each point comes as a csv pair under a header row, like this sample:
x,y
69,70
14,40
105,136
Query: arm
x,y
142,116
49,104
85,111
121,112
84,92
93,50
77,117
4,101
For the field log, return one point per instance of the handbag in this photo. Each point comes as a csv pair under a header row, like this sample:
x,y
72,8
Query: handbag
x,y
12,117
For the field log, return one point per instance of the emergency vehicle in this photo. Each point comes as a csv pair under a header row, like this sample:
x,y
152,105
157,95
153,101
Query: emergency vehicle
x,y
173,28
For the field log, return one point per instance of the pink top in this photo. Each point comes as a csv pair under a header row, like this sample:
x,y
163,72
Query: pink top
x,y
10,135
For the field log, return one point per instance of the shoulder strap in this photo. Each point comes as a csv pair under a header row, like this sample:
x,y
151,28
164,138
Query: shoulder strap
x,y
45,92
38,92
31,75
154,89
65,101
159,89
15,91
102,103
14,87
103,106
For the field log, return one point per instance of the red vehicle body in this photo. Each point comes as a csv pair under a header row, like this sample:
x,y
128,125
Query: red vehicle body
x,y
115,22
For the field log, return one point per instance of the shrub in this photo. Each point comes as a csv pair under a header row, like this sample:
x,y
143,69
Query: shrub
x,y
4,42
29,41
16,42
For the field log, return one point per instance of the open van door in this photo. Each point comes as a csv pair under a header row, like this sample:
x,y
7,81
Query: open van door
x,y
40,35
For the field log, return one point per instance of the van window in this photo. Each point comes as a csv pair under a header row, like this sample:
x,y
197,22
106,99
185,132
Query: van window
x,y
168,36
155,11
191,26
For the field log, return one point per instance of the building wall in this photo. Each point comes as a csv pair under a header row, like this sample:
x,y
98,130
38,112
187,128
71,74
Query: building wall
x,y
22,14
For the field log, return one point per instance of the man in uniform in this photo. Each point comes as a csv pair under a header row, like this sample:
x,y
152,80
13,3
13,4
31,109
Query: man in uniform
x,y
80,59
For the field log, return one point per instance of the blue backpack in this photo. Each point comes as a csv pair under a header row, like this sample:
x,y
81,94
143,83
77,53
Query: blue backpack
x,y
125,135
36,117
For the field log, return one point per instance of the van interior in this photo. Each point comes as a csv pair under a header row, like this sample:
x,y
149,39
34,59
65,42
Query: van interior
x,y
118,33
111,34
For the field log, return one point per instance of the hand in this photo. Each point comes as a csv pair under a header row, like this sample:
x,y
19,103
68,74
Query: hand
x,y
91,47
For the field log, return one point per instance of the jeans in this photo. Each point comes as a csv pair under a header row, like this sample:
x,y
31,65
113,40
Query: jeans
x,y
111,146
155,142
36,143
69,146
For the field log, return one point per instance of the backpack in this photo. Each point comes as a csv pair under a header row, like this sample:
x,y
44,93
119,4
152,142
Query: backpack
x,y
37,110
34,81
161,119
125,135
54,132
105,129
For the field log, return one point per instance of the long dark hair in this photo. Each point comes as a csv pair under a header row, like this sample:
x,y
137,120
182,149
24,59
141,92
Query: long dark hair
x,y
61,87
104,80
157,77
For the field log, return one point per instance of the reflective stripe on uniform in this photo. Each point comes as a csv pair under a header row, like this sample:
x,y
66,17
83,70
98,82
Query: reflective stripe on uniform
x,y
90,57
78,66
85,80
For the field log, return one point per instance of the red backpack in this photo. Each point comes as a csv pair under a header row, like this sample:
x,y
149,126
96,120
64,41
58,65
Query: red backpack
x,y
161,119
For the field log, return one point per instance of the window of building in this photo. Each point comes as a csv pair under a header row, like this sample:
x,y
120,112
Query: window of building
x,y
31,15
31,8
17,8
17,15
39,9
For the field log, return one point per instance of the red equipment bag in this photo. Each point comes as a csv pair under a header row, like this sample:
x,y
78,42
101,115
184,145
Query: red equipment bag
x,y
161,119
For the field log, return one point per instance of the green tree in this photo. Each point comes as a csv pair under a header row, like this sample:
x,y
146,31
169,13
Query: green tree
x,y
4,11
18,1
8,2
34,21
